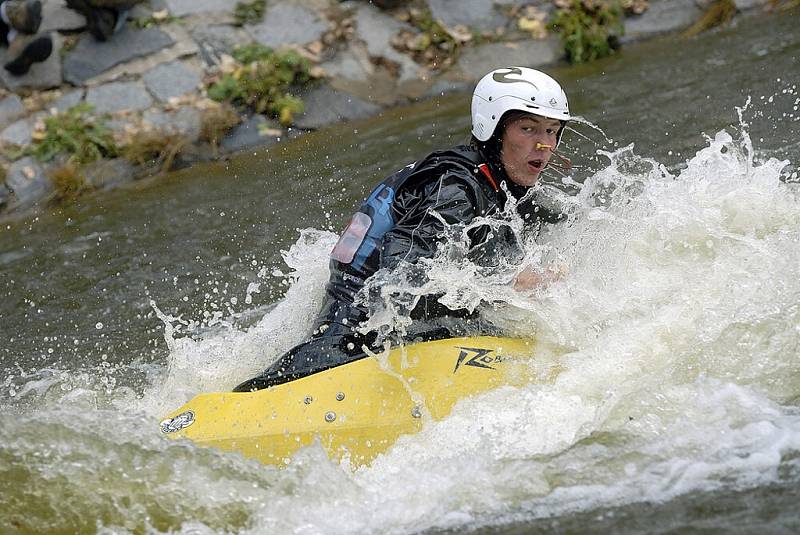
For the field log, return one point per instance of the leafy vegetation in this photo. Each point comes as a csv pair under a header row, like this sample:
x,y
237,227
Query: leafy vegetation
x,y
216,121
588,28
69,183
249,12
77,133
152,147
263,81
155,19
433,44
718,13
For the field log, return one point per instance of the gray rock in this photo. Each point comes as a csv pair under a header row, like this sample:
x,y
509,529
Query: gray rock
x,y
351,64
90,57
11,109
67,100
213,41
28,182
662,17
248,135
19,133
57,16
325,105
118,97
477,61
106,174
42,75
171,80
480,14
180,8
5,195
285,24
185,122
377,29
746,5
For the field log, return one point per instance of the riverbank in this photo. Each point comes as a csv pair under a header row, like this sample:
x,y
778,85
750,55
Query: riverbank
x,y
146,92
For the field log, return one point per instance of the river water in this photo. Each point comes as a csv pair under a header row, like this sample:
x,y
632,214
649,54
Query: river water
x,y
676,324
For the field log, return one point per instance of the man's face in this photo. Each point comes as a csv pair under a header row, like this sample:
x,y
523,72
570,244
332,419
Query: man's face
x,y
527,146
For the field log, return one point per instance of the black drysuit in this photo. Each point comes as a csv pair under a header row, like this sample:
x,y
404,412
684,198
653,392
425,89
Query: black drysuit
x,y
397,224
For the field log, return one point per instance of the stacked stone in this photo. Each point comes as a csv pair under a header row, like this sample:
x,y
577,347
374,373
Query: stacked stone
x,y
154,76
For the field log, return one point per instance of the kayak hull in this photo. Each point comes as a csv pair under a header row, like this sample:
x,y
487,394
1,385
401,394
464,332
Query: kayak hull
x,y
357,410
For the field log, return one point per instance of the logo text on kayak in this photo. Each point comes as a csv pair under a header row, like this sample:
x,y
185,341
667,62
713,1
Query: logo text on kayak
x,y
479,358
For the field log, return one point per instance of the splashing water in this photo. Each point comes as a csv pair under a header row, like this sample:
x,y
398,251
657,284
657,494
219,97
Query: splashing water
x,y
670,345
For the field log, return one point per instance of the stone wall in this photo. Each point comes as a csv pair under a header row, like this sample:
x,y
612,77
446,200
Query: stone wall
x,y
153,78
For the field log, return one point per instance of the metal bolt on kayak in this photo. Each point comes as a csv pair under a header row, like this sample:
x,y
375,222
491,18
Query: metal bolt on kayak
x,y
307,400
416,412
339,396
330,416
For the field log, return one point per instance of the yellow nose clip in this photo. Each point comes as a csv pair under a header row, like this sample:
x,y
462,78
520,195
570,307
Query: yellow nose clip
x,y
540,146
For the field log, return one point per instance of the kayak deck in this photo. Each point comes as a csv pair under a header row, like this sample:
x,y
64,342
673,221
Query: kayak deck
x,y
358,409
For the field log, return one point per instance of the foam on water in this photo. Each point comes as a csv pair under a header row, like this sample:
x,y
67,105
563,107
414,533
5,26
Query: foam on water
x,y
670,342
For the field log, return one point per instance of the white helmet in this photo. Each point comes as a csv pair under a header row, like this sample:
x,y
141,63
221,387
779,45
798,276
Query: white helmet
x,y
515,88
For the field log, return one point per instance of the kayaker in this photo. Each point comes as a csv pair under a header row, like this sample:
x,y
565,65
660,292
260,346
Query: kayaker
x,y
518,118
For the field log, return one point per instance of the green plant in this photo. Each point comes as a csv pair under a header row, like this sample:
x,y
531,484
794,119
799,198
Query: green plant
x,y
263,81
155,19
433,44
75,132
154,147
69,183
216,121
718,13
588,28
249,12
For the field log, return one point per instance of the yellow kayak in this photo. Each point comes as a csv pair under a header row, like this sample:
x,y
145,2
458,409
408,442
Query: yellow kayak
x,y
356,410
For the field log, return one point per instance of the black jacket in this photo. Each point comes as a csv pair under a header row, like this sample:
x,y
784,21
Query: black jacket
x,y
396,223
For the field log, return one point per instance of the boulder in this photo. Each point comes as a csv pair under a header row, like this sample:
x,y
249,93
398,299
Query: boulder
x,y
662,17
479,14
5,195
325,105
477,61
67,100
42,75
28,182
171,80
91,57
377,29
286,24
119,97
214,41
11,109
56,16
106,174
249,135
181,8
19,133
185,122
352,64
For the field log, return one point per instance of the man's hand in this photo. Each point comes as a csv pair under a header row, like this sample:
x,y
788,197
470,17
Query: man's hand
x,y
528,279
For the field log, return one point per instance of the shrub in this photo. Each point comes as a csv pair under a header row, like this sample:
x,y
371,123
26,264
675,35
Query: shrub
x,y
69,182
588,28
718,13
433,44
152,147
75,132
216,121
249,12
263,81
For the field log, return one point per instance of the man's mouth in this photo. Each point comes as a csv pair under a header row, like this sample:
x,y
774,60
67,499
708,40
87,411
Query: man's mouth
x,y
536,164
